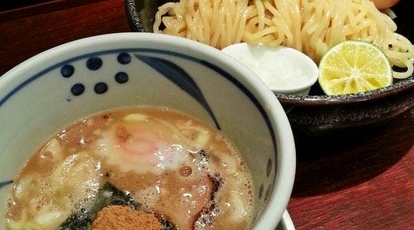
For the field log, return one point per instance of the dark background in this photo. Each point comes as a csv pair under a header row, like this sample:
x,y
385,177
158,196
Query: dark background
x,y
12,4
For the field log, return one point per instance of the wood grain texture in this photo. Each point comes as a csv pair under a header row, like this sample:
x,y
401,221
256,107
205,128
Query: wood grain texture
x,y
361,180
25,37
364,180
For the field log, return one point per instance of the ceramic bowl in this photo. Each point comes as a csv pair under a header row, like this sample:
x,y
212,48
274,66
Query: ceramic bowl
x,y
317,114
283,69
71,81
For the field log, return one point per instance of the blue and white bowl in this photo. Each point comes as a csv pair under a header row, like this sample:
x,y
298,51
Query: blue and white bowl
x,y
55,88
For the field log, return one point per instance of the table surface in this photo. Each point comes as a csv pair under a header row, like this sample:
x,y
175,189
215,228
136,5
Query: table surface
x,y
363,181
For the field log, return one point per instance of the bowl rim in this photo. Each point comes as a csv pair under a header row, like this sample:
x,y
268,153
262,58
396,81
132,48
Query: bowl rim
x,y
402,86
132,16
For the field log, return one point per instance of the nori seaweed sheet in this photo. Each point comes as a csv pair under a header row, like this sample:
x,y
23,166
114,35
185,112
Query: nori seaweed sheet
x,y
107,195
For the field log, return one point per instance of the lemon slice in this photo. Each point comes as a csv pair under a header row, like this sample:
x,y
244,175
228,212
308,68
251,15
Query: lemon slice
x,y
353,67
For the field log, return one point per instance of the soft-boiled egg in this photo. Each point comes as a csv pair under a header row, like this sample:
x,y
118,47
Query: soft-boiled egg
x,y
144,144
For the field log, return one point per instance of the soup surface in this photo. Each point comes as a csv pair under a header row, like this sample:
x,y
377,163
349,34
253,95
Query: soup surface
x,y
149,161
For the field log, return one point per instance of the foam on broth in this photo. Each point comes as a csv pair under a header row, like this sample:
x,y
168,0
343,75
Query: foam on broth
x,y
170,163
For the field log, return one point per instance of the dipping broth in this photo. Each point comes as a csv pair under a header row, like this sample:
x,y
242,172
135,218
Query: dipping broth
x,y
159,161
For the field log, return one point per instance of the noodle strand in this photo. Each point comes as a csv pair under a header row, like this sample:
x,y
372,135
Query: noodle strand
x,y
310,26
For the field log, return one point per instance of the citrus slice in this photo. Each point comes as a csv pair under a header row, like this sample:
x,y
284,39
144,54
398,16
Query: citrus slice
x,y
353,67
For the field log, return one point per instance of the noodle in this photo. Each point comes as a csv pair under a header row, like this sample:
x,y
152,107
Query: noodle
x,y
309,26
